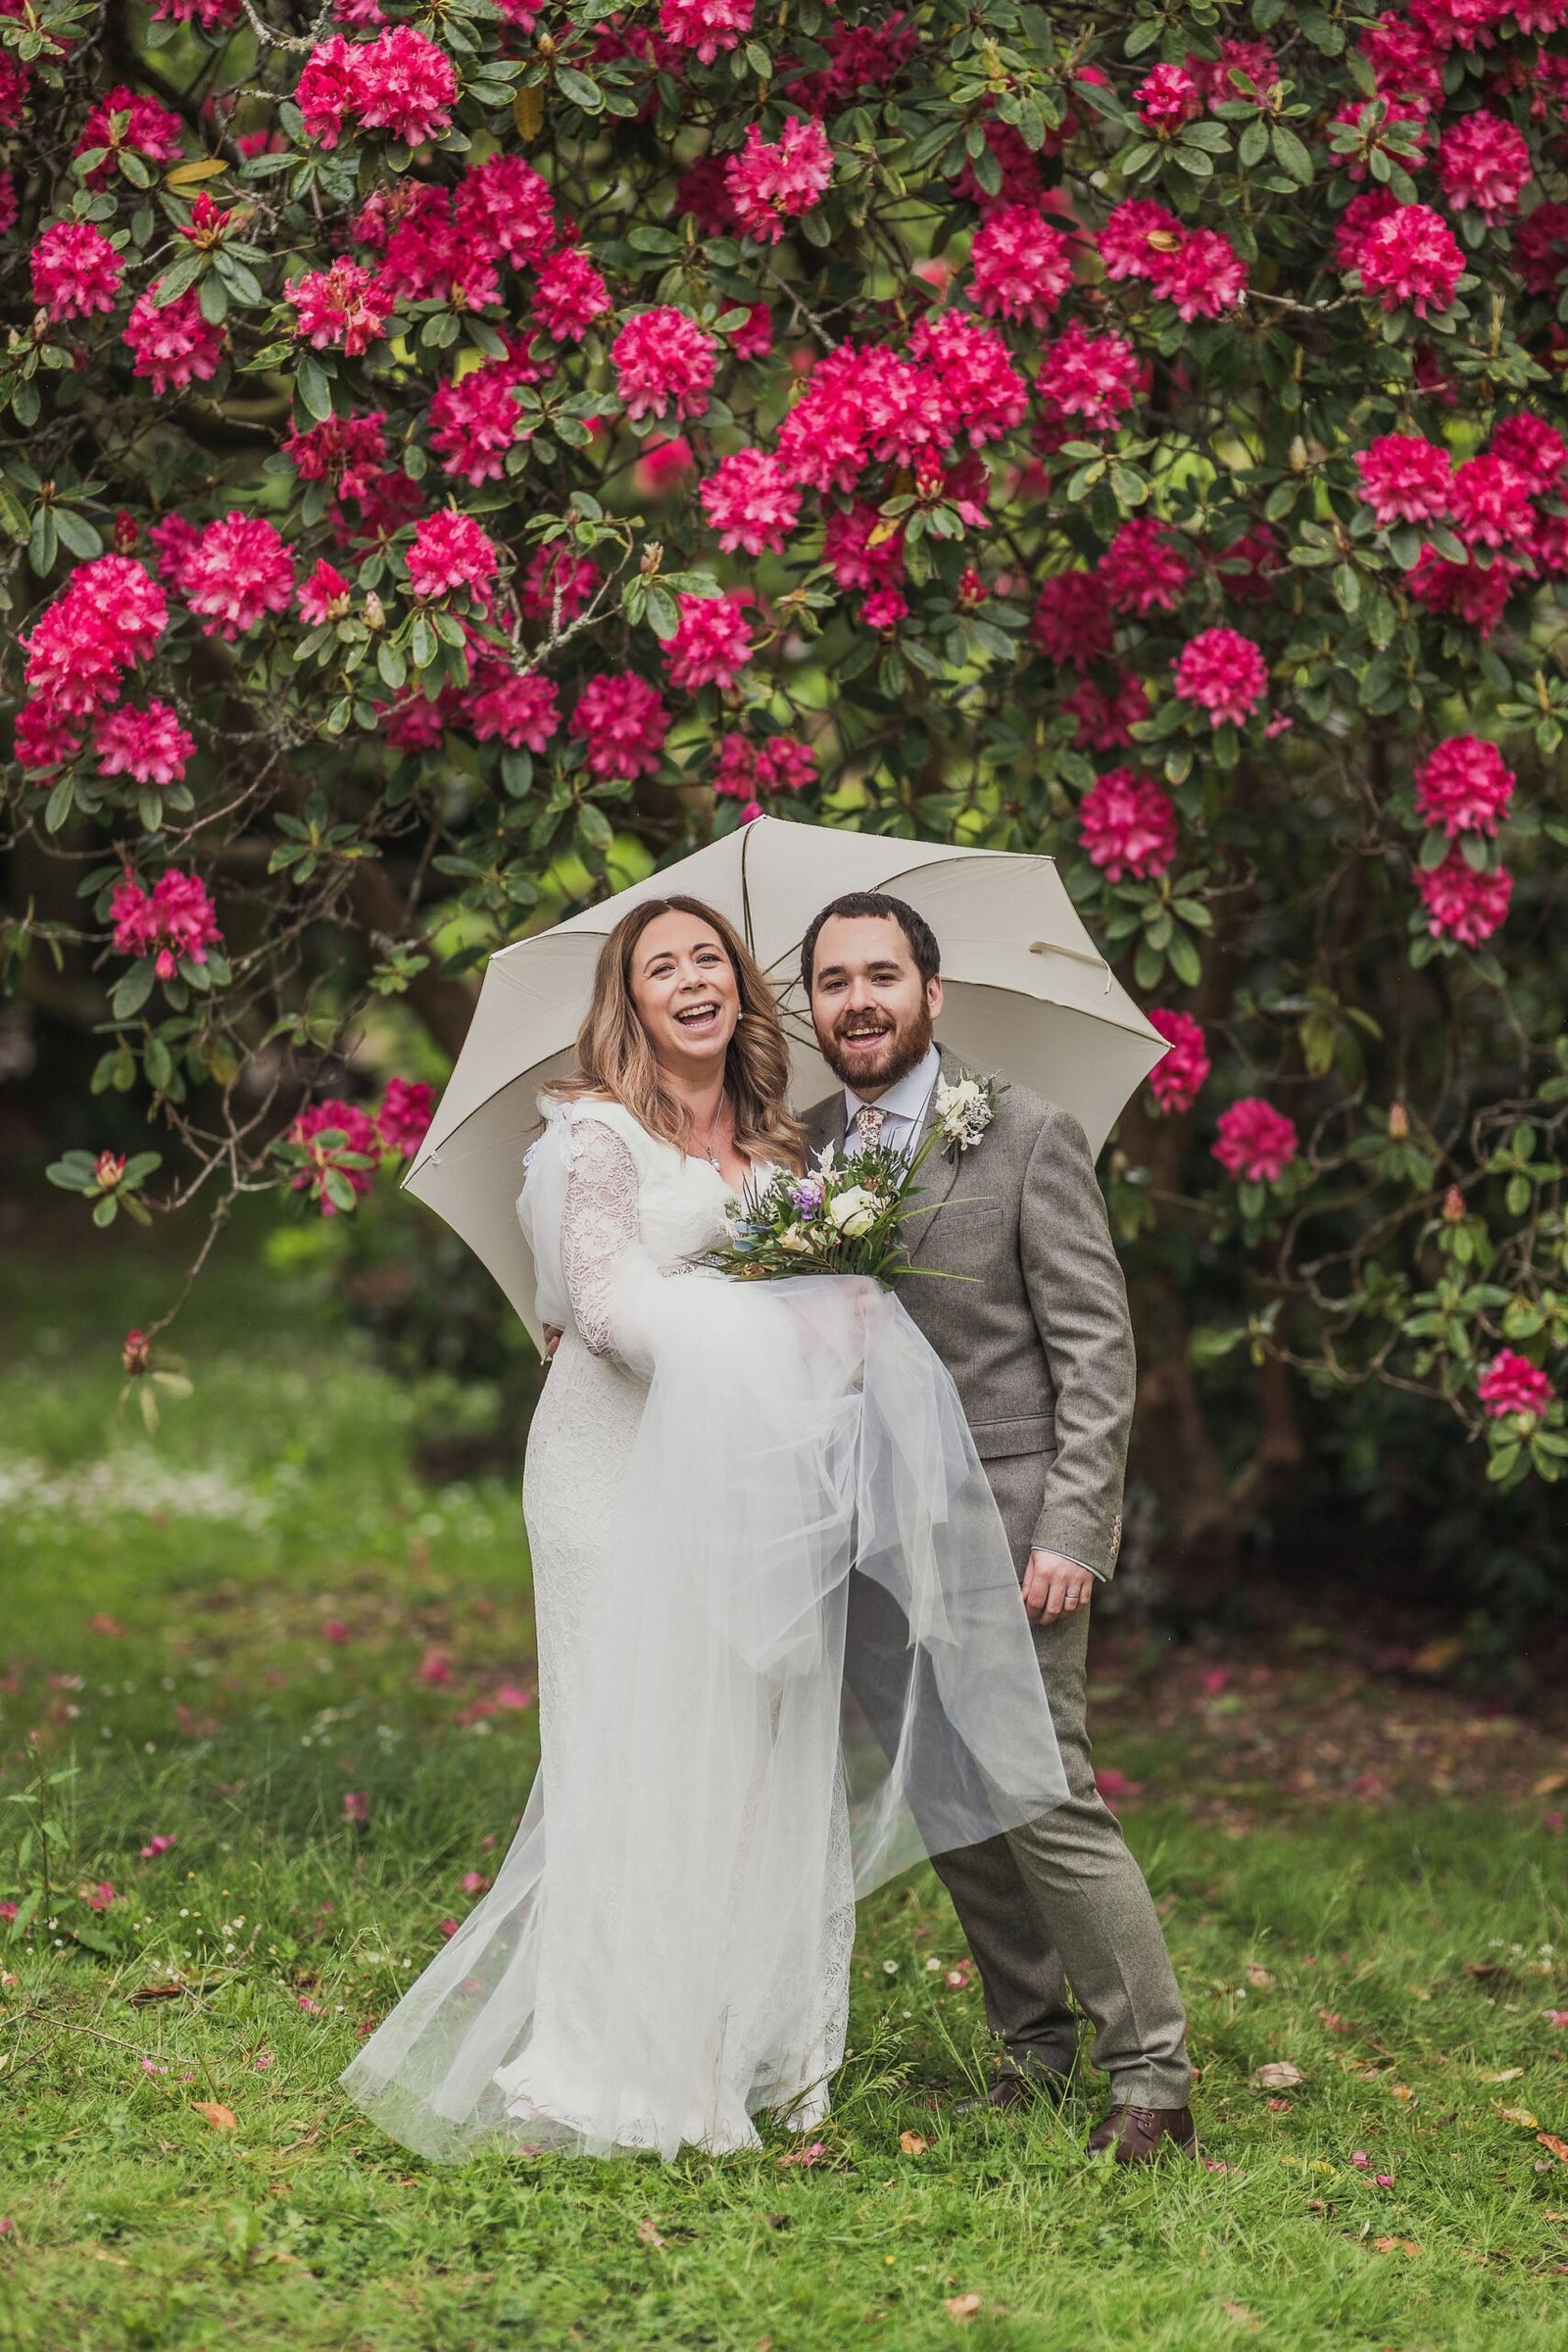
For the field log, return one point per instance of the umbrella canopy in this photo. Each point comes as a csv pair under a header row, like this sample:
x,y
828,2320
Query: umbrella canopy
x,y
1028,997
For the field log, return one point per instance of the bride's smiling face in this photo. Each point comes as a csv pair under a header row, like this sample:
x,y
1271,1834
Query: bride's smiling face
x,y
685,990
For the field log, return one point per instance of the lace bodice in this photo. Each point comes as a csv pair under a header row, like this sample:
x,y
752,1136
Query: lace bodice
x,y
635,1208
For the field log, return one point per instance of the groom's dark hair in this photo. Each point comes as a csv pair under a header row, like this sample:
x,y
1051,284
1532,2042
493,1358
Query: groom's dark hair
x,y
917,930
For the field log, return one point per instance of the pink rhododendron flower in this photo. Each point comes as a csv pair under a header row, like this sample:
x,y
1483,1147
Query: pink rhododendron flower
x,y
1474,595
1464,786
747,771
1136,234
1410,255
1243,70
1541,247
984,392
176,921
770,181
159,1843
1460,902
1491,504
1405,478
241,571
355,1806
712,644
522,711
405,84
1087,380
1072,618
754,340
1143,570
324,595
102,1897
1019,266
1513,1383
624,722
1405,60
111,614
664,467
473,1882
41,741
847,546
504,208
174,346
1224,674
174,542
664,363
750,504
337,1135
450,550
1484,165
1127,825
1204,276
568,295
475,419
148,129
76,271
884,609
328,88
1534,449
1167,98
405,1114
1255,1142
213,16
149,746
706,26
340,308
1177,1080
430,258
1105,719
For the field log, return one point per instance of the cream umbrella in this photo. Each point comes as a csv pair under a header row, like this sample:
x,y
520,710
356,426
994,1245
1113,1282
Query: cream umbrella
x,y
1029,998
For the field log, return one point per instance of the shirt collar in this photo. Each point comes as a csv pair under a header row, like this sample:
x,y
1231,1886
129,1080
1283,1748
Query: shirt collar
x,y
906,1100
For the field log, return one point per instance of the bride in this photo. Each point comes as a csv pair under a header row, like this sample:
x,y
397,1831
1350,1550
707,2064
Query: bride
x,y
737,1497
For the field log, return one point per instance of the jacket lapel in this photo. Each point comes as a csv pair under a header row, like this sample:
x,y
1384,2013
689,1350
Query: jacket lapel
x,y
940,1173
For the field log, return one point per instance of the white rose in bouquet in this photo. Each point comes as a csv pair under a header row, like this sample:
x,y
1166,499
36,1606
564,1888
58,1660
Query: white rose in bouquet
x,y
854,1211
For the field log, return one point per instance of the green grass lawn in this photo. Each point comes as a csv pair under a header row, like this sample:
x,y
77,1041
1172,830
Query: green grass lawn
x,y
231,1631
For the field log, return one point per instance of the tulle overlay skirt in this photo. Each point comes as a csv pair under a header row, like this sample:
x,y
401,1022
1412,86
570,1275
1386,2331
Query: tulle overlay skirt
x,y
792,1506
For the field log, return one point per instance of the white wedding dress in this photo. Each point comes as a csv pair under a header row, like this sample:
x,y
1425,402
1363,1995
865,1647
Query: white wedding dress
x,y
714,1472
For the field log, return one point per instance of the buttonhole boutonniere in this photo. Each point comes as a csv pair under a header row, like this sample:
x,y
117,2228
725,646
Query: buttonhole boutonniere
x,y
963,1110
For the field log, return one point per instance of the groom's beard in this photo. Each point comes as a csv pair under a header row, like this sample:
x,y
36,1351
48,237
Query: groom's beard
x,y
904,1048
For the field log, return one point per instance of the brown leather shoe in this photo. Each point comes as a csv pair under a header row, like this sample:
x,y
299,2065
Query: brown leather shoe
x,y
1139,2134
1013,2089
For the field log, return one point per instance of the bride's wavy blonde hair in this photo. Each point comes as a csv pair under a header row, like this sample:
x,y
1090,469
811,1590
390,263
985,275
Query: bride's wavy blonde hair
x,y
615,1056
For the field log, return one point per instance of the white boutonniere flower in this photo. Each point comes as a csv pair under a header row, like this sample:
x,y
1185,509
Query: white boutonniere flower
x,y
963,1110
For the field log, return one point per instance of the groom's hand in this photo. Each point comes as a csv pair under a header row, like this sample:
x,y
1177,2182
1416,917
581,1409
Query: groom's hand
x,y
1052,1585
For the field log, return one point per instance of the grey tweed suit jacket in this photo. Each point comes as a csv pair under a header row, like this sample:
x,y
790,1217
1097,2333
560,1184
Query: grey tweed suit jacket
x,y
1037,1334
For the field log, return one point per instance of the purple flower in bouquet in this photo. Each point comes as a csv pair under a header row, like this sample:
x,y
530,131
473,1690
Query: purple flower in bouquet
x,y
805,1197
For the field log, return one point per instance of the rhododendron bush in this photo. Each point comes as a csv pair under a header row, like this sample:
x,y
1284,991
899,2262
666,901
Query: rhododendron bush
x,y
444,444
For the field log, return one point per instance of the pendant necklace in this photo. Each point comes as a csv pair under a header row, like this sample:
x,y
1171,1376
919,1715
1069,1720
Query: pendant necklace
x,y
709,1153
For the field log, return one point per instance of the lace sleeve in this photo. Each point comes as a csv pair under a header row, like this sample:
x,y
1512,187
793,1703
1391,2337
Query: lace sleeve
x,y
598,1229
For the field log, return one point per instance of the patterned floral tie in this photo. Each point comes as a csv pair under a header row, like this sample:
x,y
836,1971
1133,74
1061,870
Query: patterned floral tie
x,y
869,1121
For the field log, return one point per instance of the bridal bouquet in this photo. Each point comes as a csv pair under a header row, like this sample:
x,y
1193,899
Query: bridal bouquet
x,y
839,1217
847,1216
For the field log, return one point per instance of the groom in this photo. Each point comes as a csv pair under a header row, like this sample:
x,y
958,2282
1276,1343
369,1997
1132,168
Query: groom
x,y
1040,1351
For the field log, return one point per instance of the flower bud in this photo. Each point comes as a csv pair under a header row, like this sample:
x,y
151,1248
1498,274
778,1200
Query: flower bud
x,y
136,1354
109,1170
1399,1123
1452,1205
374,611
